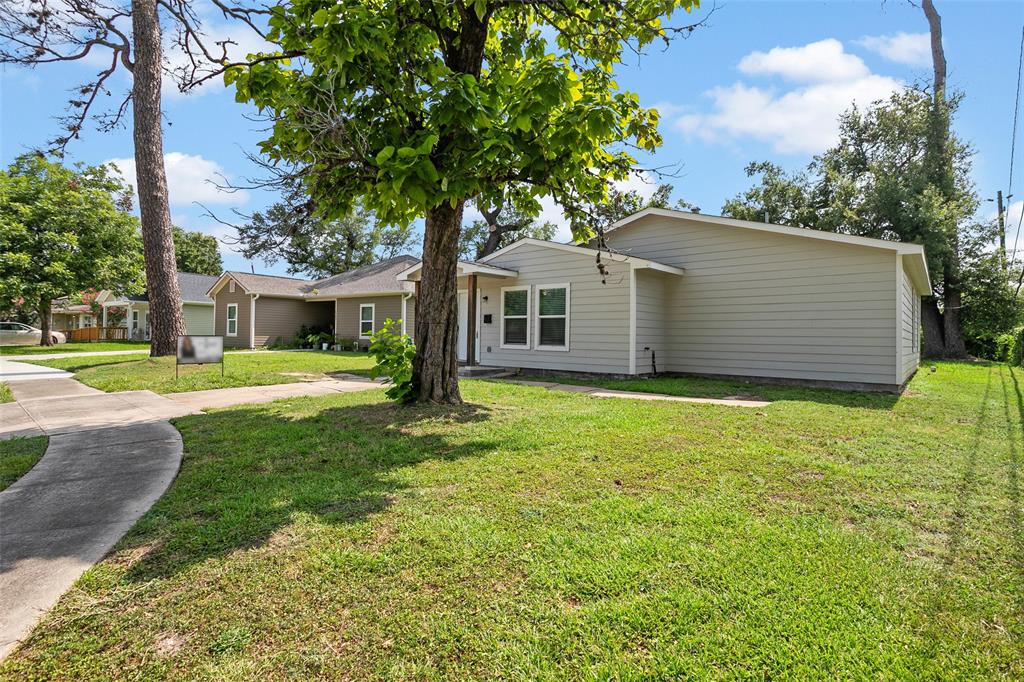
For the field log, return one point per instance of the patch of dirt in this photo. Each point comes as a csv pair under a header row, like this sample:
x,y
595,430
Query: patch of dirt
x,y
168,644
305,375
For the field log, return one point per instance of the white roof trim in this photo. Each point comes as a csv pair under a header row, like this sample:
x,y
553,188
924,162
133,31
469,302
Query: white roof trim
x,y
464,268
902,248
639,263
225,276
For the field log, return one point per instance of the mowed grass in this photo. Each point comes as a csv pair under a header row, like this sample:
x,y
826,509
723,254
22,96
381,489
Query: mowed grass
x,y
542,535
5,394
116,373
80,347
17,456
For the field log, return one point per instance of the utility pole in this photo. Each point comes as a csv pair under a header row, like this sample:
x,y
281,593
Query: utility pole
x,y
1002,230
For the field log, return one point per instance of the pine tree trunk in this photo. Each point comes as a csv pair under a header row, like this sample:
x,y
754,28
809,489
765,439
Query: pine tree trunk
x,y
45,338
166,320
436,370
931,321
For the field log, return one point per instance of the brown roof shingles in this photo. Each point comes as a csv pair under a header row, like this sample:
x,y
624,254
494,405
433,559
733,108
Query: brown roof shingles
x,y
376,278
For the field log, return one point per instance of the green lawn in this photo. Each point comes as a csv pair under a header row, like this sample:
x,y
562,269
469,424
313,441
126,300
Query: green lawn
x,y
5,393
114,373
17,456
73,348
543,535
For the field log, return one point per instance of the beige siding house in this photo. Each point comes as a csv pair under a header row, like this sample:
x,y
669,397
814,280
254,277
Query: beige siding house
x,y
196,307
672,292
252,310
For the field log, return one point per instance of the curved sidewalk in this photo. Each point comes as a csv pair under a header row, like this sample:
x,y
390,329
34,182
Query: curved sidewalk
x,y
66,513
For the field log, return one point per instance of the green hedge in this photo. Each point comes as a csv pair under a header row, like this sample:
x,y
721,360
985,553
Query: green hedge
x,y
1010,347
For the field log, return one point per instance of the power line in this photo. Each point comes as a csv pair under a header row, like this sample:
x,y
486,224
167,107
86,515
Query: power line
x,y
1013,139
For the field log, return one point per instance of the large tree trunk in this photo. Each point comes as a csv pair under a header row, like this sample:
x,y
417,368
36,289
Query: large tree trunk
x,y
951,301
931,321
45,339
941,176
166,320
436,370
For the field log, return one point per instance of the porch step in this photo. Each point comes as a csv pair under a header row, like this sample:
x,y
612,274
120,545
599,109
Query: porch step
x,y
477,371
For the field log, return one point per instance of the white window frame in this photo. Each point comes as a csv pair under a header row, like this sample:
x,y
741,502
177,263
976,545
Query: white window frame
x,y
372,320
135,321
539,288
228,320
528,316
231,286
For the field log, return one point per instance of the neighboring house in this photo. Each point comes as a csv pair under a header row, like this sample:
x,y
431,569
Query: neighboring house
x,y
196,307
677,292
65,316
260,310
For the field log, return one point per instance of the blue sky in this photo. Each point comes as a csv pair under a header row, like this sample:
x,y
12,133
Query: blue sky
x,y
763,80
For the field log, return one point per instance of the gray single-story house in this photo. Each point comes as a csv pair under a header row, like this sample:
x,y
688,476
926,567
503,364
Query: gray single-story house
x,y
196,307
674,292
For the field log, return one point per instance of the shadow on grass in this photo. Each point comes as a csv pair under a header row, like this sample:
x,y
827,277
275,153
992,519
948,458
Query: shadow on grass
x,y
1015,440
247,473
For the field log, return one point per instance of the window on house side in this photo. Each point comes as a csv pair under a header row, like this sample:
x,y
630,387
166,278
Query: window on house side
x,y
366,313
232,326
553,317
515,317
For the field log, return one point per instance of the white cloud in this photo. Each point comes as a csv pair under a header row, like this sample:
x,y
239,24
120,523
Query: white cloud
x,y
190,179
802,120
819,62
913,49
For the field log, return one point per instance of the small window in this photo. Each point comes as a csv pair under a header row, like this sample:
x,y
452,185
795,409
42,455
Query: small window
x,y
515,317
366,312
553,317
232,327
231,287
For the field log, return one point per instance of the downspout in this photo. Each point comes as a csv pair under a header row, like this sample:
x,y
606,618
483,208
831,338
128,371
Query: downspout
x,y
252,321
405,299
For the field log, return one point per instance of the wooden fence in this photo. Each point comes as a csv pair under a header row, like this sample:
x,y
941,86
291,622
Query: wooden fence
x,y
88,334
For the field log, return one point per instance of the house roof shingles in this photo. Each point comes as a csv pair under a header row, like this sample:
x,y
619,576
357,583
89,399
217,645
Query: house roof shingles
x,y
271,284
375,278
193,288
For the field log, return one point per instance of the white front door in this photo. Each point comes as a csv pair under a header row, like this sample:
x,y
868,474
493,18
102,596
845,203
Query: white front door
x,y
463,323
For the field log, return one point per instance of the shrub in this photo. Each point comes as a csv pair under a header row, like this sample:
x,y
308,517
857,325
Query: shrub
x,y
394,353
1010,347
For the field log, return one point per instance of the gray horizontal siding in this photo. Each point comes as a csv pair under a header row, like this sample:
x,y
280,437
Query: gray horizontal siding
x,y
910,312
761,304
651,310
198,319
598,313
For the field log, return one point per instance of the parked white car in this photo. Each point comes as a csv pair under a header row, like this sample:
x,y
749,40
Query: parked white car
x,y
18,334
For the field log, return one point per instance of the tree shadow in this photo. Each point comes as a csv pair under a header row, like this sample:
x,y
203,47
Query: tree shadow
x,y
1015,440
967,486
249,473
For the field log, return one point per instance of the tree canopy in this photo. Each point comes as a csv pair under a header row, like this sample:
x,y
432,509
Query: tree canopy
x,y
196,252
63,231
293,231
413,107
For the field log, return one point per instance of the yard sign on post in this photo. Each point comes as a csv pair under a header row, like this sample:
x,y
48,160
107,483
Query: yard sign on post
x,y
199,350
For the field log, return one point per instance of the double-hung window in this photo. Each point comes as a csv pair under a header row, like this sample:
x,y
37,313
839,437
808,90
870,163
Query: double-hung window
x,y
366,313
552,317
515,317
232,325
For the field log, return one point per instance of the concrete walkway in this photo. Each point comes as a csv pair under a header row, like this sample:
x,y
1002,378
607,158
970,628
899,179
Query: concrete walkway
x,y
82,354
11,371
73,506
596,392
